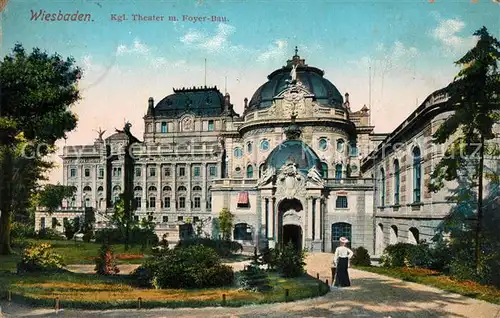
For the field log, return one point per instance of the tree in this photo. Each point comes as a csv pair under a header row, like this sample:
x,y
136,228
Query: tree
x,y
36,92
52,195
474,96
226,223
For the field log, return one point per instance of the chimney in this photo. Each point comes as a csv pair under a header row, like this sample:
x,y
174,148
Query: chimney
x,y
246,102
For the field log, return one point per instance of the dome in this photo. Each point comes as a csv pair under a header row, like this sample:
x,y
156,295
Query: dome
x,y
326,94
296,151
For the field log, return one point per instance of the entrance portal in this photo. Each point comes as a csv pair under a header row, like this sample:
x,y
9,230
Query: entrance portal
x,y
292,233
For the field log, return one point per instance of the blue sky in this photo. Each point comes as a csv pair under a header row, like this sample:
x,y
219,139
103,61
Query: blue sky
x,y
409,46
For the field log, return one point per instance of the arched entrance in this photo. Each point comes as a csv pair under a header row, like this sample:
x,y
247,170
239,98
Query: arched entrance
x,y
289,223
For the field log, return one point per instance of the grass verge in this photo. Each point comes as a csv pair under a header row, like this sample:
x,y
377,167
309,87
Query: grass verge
x,y
86,291
438,280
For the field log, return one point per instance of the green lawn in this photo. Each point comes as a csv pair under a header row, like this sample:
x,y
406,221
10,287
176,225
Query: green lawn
x,y
439,280
90,291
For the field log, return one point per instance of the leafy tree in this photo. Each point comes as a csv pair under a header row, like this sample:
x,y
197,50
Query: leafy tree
x,y
474,96
226,223
52,195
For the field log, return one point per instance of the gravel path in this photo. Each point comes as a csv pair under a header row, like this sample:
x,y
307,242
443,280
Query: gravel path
x,y
372,295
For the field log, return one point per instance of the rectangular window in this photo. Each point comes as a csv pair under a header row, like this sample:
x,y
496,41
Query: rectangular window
x,y
164,219
182,171
196,171
87,172
101,173
341,202
152,202
212,171
72,172
211,125
138,172
65,220
164,127
150,218
180,218
136,218
166,172
138,202
182,203
54,223
117,172
197,202
152,172
195,219
166,202
42,223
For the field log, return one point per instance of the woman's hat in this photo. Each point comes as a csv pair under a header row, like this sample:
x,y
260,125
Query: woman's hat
x,y
344,240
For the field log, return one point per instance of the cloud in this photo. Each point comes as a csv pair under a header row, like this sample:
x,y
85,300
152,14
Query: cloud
x,y
276,51
220,41
137,48
447,34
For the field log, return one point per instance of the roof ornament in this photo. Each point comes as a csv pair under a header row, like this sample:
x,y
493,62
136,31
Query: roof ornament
x,y
296,51
100,133
293,132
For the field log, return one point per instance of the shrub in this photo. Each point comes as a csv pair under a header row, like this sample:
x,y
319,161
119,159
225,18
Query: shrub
x,y
270,257
141,236
71,227
39,258
407,255
20,230
105,262
187,267
291,261
361,257
49,234
109,236
222,247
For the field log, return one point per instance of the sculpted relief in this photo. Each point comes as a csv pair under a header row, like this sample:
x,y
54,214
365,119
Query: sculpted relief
x,y
290,183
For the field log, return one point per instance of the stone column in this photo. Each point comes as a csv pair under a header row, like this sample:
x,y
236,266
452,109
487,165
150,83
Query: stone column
x,y
144,198
317,221
173,200
309,214
159,188
270,219
95,171
203,168
189,199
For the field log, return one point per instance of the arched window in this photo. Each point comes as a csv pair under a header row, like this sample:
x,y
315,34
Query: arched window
x,y
417,174
339,230
181,188
393,235
264,145
249,171
117,188
100,189
338,171
238,152
382,187
167,189
138,188
324,170
396,182
152,188
323,144
196,188
413,235
340,145
261,170
242,232
87,189
249,147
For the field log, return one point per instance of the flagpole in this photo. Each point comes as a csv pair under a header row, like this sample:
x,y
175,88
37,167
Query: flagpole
x,y
369,95
205,72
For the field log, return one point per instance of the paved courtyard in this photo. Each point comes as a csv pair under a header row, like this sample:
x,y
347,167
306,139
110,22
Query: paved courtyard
x,y
371,295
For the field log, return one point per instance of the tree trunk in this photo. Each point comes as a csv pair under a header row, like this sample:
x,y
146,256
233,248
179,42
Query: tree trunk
x,y
5,200
479,206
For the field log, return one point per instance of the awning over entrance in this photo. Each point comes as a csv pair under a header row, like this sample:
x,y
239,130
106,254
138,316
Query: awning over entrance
x,y
243,198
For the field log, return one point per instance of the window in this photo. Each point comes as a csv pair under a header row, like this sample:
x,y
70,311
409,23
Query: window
x,y
196,171
182,171
54,223
167,189
101,173
117,172
339,230
338,171
396,182
382,187
152,189
180,218
164,219
242,232
181,188
249,147
413,236
238,152
137,172
417,170
150,218
211,125
65,221
87,203
152,202
182,203
152,171
341,202
354,150
340,145
87,189
164,127
42,223
166,202
166,172
196,188
212,171
136,218
137,188
197,202
264,145
138,202
249,172
195,219
324,170
72,172
87,172
323,144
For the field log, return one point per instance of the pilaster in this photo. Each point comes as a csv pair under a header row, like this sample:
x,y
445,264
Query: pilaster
x,y
309,213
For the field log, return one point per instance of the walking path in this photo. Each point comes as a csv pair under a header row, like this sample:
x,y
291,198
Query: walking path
x,y
371,295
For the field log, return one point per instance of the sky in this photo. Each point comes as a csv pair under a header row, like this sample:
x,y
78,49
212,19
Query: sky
x,y
406,47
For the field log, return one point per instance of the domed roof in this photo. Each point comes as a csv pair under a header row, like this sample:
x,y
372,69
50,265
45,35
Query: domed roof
x,y
326,94
293,150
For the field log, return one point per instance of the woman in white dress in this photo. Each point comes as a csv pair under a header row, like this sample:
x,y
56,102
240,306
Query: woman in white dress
x,y
341,262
